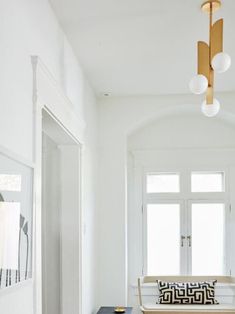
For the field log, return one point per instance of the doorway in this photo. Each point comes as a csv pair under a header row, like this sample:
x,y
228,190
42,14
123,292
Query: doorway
x,y
60,219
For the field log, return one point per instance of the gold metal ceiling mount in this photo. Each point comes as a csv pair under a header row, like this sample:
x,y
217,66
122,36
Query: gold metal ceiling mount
x,y
206,6
211,58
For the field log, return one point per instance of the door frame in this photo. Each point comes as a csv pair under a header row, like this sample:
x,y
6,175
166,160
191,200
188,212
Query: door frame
x,y
49,96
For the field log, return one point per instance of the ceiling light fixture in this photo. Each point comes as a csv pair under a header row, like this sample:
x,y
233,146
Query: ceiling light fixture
x,y
211,58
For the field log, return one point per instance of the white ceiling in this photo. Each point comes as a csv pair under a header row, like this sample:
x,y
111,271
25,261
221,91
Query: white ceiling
x,y
142,47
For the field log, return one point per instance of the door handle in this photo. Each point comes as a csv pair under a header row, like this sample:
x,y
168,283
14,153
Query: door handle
x,y
189,238
182,240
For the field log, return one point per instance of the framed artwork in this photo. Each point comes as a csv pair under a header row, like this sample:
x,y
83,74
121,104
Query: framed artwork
x,y
16,221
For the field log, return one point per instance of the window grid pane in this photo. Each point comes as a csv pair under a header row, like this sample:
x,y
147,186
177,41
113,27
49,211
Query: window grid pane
x,y
163,183
163,239
207,182
208,239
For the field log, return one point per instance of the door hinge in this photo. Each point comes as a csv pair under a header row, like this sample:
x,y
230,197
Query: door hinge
x,y
142,208
230,208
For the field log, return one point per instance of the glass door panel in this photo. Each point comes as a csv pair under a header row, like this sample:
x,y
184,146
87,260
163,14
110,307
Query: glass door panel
x,y
208,224
163,239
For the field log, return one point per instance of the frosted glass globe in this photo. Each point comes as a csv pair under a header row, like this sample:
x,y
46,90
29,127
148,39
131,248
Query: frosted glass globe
x,y
210,110
221,62
198,84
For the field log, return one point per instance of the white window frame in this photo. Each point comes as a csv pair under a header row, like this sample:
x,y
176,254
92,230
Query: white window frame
x,y
185,198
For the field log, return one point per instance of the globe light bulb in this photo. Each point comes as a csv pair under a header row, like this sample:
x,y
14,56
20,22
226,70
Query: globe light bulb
x,y
198,84
221,62
210,110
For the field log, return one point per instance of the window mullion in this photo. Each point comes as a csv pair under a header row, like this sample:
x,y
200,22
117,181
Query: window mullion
x,y
183,241
189,237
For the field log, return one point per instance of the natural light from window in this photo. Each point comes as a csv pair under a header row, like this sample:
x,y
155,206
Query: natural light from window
x,y
207,182
186,233
163,183
163,244
208,239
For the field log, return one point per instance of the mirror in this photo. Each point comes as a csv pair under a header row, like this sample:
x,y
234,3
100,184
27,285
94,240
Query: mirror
x,y
16,213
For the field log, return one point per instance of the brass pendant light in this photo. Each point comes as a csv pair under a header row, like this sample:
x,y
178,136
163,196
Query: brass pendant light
x,y
211,58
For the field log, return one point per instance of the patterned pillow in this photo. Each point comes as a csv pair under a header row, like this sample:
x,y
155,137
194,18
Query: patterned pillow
x,y
187,292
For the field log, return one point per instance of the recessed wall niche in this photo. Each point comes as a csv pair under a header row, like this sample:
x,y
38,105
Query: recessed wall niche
x,y
16,216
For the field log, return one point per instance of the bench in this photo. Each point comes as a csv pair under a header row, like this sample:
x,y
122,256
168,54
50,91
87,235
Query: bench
x,y
153,308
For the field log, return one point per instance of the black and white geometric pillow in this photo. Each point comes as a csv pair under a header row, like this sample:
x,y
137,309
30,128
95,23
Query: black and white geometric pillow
x,y
187,292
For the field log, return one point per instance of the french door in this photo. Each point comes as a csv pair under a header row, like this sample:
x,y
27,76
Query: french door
x,y
185,237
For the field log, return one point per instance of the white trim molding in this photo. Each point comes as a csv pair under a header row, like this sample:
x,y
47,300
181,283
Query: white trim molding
x,y
48,93
49,96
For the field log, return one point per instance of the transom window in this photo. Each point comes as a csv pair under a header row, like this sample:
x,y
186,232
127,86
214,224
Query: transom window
x,y
207,182
163,183
185,224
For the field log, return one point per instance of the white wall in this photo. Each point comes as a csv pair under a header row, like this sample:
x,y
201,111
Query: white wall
x,y
118,118
90,215
29,27
186,131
